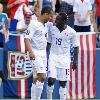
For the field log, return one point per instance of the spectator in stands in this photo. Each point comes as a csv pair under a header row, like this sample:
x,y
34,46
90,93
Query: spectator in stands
x,y
93,20
16,7
35,40
97,13
83,11
32,4
41,4
4,27
45,3
67,7
4,24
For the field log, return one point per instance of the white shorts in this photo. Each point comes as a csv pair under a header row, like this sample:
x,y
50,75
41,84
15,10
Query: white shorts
x,y
60,74
40,62
57,70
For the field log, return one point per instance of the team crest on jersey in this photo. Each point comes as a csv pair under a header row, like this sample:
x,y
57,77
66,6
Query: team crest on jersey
x,y
19,66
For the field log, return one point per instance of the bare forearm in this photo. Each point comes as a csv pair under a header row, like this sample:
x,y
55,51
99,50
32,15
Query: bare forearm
x,y
29,48
76,50
95,9
48,47
14,3
9,6
39,3
27,44
95,26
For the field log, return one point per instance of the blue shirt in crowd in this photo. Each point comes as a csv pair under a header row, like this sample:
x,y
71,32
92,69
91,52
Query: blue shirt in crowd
x,y
47,3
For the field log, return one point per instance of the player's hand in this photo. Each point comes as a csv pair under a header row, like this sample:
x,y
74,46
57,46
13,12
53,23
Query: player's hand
x,y
32,56
74,66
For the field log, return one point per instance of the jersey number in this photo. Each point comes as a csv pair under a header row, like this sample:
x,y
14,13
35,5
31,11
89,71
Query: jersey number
x,y
58,41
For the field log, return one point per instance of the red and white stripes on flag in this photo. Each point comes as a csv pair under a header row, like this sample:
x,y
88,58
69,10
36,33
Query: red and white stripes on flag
x,y
83,80
22,84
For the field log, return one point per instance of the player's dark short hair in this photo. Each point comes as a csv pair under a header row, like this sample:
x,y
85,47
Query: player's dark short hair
x,y
46,9
64,16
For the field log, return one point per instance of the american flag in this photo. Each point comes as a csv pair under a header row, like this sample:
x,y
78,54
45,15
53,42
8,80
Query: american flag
x,y
83,79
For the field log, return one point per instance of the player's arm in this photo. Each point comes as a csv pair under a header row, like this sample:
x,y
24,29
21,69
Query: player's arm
x,y
39,4
48,46
49,35
10,5
75,62
75,44
29,48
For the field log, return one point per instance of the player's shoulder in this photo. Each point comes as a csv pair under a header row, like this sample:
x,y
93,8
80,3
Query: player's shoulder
x,y
69,29
36,23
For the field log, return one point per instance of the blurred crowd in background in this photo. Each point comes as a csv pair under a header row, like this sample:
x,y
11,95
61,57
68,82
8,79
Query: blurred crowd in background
x,y
83,15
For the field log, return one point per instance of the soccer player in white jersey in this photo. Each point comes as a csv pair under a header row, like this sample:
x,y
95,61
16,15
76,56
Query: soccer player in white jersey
x,y
60,38
36,42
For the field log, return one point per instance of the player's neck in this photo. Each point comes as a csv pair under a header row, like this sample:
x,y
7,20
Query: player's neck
x,y
62,28
40,19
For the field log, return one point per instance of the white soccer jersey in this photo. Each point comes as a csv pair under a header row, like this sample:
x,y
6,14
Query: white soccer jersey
x,y
60,44
36,32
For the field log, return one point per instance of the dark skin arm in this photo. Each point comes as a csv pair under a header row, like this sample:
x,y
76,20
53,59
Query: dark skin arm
x,y
48,47
75,62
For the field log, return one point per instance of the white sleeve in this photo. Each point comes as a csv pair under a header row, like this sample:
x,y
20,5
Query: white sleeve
x,y
74,39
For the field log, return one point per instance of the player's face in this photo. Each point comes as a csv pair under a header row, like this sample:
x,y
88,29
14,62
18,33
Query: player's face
x,y
48,16
59,21
51,15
